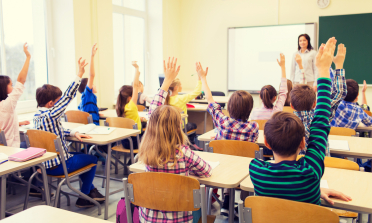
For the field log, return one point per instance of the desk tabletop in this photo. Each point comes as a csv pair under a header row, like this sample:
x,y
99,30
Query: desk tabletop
x,y
352,183
11,166
218,99
112,113
47,214
198,107
115,136
228,174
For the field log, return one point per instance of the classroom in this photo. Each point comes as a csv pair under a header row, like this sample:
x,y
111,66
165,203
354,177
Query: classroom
x,y
225,111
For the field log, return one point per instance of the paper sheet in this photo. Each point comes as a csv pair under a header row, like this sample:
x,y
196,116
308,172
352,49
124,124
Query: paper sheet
x,y
213,164
339,145
324,184
92,129
3,158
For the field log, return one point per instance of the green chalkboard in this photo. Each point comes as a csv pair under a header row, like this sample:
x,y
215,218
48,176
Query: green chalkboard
x,y
355,31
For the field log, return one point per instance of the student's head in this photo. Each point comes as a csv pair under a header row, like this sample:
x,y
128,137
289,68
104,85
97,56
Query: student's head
x,y
83,85
163,137
289,87
240,105
303,97
352,90
304,42
174,87
284,134
125,95
140,89
47,95
268,96
6,87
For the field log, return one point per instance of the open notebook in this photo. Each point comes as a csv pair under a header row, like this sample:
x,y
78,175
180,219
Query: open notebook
x,y
339,145
92,129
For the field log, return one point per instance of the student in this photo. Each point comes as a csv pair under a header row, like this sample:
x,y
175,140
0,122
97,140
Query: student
x,y
52,104
268,96
142,98
9,97
164,148
180,101
88,90
289,87
284,134
349,114
364,104
303,97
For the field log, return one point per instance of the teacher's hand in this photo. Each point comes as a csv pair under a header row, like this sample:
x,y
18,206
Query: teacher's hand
x,y
299,61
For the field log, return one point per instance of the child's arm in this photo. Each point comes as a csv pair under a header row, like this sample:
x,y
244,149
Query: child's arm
x,y
203,77
135,83
92,73
283,86
319,129
293,68
339,89
198,166
170,73
186,98
316,73
59,108
23,74
364,98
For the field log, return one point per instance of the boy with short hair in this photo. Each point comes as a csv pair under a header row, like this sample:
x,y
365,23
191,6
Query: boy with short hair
x,y
303,97
88,90
52,104
287,178
142,98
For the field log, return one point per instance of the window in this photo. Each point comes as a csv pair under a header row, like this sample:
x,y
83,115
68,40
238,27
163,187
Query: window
x,y
129,31
23,21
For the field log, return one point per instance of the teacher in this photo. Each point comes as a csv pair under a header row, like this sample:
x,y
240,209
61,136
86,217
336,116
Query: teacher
x,y
303,69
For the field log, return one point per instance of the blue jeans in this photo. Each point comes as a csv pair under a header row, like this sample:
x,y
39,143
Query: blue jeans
x,y
79,160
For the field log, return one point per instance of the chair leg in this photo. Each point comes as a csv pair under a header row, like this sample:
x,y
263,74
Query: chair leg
x,y
209,201
104,176
58,193
80,183
65,194
28,190
116,162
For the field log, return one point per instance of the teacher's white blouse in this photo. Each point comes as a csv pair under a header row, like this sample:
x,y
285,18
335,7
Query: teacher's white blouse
x,y
308,63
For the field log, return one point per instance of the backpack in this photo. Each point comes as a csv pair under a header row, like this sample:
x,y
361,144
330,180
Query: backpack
x,y
121,212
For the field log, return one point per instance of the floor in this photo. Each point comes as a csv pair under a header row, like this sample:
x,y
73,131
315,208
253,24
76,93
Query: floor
x,y
15,202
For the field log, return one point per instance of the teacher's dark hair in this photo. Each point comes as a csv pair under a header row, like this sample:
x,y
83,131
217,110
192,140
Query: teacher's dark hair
x,y
309,47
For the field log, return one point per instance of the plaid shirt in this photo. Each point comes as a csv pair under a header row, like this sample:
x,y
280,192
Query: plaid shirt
x,y
187,163
49,119
349,115
232,129
339,91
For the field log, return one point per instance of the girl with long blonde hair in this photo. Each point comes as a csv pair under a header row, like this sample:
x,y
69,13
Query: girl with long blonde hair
x,y
164,147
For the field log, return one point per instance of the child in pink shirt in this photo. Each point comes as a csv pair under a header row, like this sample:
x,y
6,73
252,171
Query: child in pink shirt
x,y
268,96
8,101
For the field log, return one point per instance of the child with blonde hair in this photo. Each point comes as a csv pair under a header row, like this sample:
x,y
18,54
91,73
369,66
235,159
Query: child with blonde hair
x,y
164,148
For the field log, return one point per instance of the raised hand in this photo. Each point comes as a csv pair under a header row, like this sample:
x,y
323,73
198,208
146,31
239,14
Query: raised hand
x,y
364,86
82,66
340,57
25,49
324,57
282,60
298,59
135,65
170,71
94,49
201,73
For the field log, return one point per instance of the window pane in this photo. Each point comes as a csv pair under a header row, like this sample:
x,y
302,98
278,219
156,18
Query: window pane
x,y
133,4
24,21
129,45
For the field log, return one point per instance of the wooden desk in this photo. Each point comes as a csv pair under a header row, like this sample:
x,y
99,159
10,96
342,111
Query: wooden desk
x,y
112,113
11,167
204,122
359,146
218,99
353,183
47,214
231,171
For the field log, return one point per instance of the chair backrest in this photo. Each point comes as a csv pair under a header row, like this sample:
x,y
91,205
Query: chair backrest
x,y
141,107
261,123
119,122
288,109
269,209
368,112
41,139
78,117
234,147
338,163
342,131
219,93
2,138
164,191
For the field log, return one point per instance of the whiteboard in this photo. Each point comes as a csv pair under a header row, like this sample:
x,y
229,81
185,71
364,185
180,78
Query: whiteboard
x,y
253,51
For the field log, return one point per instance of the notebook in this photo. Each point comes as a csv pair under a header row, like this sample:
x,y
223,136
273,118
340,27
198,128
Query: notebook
x,y
27,154
213,164
339,145
92,129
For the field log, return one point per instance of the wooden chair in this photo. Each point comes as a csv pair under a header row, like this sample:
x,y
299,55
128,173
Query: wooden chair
x,y
236,148
52,143
288,109
141,108
261,123
368,112
259,209
342,131
165,191
78,117
2,138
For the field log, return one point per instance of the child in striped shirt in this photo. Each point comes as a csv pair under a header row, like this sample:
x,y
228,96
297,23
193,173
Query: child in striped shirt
x,y
164,149
268,96
284,134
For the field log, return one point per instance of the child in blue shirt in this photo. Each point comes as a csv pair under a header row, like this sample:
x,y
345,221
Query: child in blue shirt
x,y
88,90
